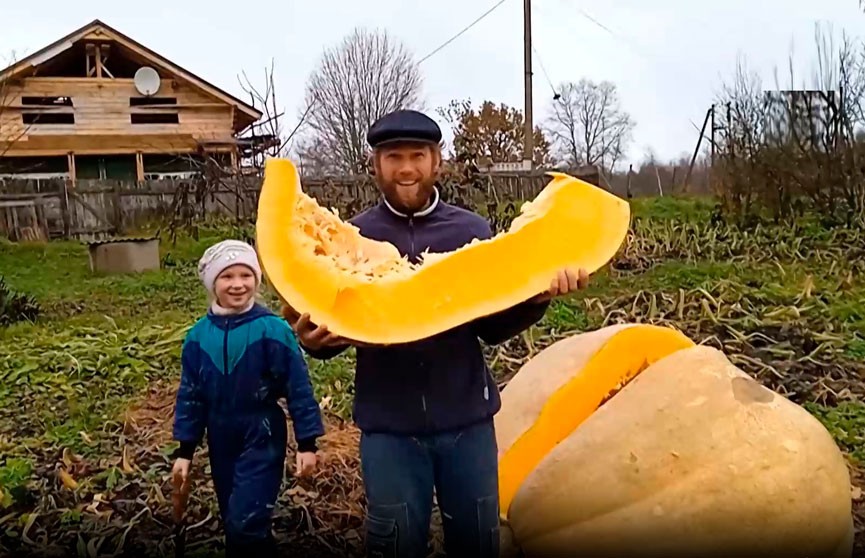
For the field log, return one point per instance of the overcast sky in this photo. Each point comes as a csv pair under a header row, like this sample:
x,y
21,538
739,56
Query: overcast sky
x,y
667,57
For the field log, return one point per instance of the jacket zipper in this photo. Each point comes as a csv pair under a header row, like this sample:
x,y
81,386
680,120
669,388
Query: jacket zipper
x,y
413,256
225,390
225,349
411,237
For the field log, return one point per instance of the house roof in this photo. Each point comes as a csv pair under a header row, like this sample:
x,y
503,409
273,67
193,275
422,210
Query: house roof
x,y
96,26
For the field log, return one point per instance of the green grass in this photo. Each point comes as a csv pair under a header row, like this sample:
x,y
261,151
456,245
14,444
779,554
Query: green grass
x,y
846,423
101,340
673,208
15,472
60,272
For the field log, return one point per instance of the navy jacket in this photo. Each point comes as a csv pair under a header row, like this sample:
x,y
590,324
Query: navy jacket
x,y
440,383
235,368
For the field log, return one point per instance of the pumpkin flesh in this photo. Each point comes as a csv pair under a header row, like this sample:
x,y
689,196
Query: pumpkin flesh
x,y
365,291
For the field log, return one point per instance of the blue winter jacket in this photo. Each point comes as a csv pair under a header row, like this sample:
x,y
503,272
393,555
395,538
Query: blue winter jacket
x,y
443,382
235,368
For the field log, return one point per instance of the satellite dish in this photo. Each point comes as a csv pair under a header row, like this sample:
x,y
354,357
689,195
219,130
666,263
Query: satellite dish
x,y
147,81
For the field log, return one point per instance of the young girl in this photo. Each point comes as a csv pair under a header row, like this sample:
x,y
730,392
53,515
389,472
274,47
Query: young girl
x,y
237,361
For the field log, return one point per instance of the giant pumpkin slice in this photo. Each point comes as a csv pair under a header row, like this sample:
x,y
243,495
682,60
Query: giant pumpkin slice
x,y
363,290
632,441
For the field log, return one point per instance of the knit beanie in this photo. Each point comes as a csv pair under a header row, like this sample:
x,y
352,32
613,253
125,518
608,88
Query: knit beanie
x,y
226,254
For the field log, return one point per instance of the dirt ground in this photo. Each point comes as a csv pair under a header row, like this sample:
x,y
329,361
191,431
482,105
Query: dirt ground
x,y
317,517
323,516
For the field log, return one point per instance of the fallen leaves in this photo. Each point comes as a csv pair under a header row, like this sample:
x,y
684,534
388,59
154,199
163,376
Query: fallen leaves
x,y
126,462
67,480
124,504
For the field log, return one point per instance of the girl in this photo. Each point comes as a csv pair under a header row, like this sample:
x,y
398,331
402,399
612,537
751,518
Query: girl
x,y
237,361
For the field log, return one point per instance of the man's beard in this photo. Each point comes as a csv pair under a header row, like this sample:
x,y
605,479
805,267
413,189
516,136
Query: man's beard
x,y
423,194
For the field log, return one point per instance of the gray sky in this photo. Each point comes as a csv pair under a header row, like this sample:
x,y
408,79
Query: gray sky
x,y
667,57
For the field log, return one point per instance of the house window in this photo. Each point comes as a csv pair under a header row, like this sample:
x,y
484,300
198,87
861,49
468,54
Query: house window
x,y
144,101
31,118
41,112
155,118
47,101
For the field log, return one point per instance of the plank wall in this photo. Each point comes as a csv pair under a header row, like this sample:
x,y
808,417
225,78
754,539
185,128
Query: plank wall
x,y
103,118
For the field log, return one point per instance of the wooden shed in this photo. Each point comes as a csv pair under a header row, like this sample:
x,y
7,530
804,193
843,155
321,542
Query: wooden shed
x,y
97,104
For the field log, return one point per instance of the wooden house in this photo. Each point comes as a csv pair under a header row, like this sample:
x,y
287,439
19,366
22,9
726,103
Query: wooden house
x,y
97,104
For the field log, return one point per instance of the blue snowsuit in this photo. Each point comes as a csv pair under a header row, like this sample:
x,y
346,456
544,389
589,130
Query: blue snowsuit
x,y
234,369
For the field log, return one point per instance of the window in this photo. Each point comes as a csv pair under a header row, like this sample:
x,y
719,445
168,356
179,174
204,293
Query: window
x,y
48,118
155,118
141,101
47,101
39,115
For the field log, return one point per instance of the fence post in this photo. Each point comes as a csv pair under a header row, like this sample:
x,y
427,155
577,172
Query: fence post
x,y
117,203
64,209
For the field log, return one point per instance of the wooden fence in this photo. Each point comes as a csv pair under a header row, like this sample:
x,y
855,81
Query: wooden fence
x,y
96,209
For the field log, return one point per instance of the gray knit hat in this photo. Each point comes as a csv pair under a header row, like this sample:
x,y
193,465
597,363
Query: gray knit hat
x,y
226,254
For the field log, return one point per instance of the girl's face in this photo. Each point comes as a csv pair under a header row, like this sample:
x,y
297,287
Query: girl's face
x,y
234,287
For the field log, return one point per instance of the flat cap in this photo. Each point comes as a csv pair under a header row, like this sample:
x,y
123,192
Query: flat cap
x,y
403,125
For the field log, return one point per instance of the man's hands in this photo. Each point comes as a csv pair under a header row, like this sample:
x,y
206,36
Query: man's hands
x,y
305,463
314,337
564,282
311,336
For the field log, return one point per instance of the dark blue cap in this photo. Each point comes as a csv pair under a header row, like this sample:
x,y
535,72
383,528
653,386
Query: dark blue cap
x,y
403,125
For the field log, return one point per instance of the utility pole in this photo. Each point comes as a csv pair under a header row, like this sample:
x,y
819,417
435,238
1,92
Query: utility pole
x,y
528,147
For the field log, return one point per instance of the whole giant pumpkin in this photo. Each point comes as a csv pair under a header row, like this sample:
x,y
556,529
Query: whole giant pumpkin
x,y
691,458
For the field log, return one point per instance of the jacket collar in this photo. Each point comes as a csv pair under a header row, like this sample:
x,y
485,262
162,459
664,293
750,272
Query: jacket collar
x,y
423,213
253,313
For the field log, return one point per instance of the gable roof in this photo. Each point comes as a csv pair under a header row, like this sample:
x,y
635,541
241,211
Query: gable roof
x,y
107,32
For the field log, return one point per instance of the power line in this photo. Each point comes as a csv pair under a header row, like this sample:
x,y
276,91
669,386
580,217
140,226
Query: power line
x,y
596,22
544,70
466,28
635,48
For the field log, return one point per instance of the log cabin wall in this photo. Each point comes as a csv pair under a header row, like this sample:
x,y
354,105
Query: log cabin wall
x,y
176,119
77,101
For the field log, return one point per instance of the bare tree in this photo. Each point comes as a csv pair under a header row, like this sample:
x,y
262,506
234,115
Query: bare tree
x,y
794,149
213,175
366,76
312,155
588,125
267,136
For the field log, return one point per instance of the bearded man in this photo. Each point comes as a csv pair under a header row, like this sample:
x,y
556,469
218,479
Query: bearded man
x,y
425,409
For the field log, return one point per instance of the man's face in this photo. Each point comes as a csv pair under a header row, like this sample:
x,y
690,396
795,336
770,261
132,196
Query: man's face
x,y
406,174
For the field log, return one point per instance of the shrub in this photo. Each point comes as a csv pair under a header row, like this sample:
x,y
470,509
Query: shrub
x,y
16,307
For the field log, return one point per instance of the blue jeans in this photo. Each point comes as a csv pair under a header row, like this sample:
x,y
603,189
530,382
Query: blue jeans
x,y
400,473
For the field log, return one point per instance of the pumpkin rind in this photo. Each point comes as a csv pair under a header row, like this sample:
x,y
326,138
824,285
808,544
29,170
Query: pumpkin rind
x,y
691,458
363,290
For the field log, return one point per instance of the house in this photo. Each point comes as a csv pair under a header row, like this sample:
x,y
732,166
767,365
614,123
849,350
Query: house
x,y
98,104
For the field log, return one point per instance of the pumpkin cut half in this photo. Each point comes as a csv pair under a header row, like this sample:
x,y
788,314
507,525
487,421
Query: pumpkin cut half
x,y
364,290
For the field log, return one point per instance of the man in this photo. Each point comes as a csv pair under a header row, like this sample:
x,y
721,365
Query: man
x,y
425,409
